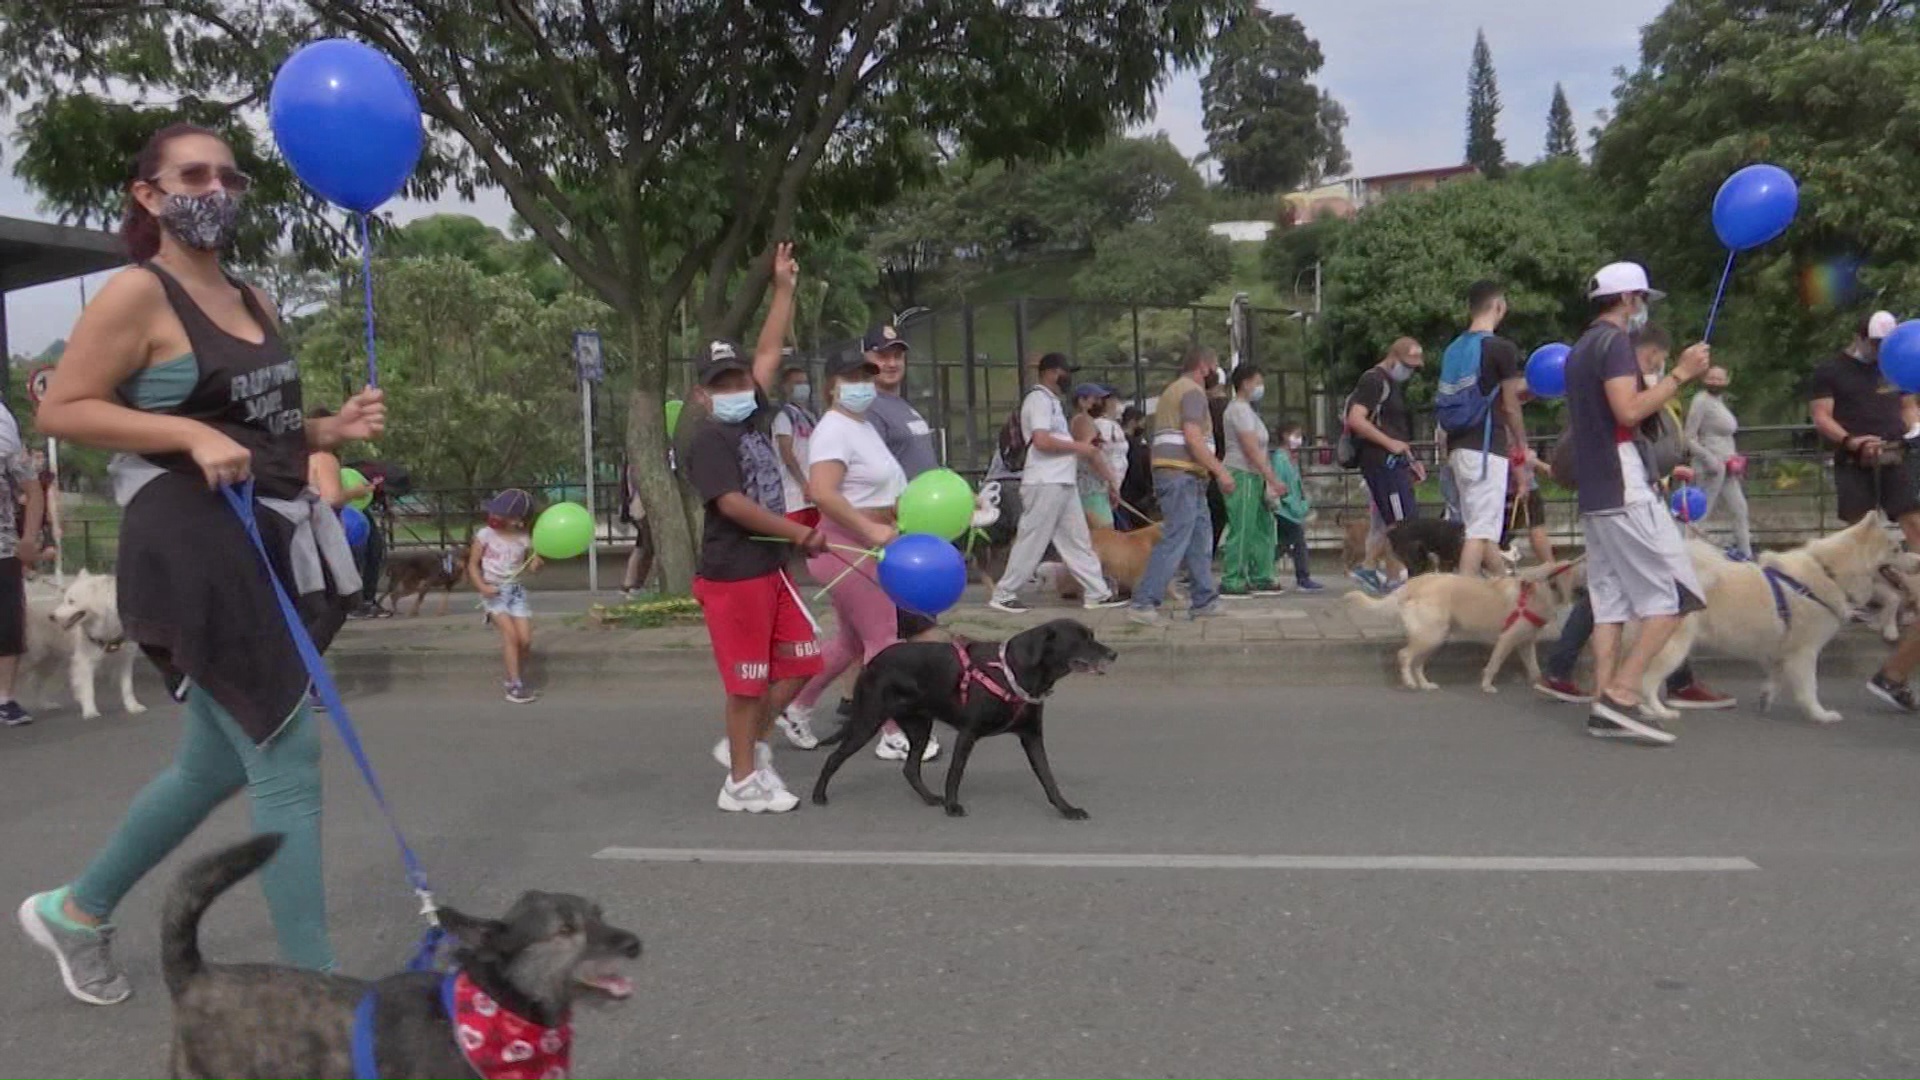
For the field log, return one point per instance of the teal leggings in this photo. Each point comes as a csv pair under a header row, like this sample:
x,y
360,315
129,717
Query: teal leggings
x,y
217,759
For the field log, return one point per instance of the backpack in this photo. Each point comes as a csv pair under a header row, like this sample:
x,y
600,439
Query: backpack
x,y
1458,403
1012,441
1346,449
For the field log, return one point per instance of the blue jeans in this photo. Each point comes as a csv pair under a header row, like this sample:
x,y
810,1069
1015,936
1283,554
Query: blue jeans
x,y
1186,537
1573,638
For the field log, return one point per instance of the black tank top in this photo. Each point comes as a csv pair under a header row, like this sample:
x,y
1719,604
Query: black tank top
x,y
249,392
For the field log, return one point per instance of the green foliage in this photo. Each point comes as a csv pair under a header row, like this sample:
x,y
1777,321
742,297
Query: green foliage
x,y
1561,140
1403,267
649,614
1267,125
1291,252
1824,89
1172,260
1484,147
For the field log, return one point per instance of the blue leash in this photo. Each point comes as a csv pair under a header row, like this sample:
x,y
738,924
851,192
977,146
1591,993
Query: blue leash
x,y
241,500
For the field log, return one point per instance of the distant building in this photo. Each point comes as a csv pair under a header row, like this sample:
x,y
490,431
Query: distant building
x,y
1379,187
1345,198
1242,232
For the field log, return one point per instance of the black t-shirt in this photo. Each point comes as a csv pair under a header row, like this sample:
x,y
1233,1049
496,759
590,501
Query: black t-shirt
x,y
1386,405
1864,402
1499,361
721,458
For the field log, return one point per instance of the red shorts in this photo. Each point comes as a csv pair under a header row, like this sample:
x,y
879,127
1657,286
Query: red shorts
x,y
810,517
760,633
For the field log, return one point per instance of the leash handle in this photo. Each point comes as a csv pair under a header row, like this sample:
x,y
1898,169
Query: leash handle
x,y
241,500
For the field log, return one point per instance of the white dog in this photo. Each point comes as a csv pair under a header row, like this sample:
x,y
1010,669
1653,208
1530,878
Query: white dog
x,y
80,629
1507,612
1779,612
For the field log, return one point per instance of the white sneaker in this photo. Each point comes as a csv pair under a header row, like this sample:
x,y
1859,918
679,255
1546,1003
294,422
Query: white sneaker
x,y
757,794
762,760
796,723
1111,601
894,746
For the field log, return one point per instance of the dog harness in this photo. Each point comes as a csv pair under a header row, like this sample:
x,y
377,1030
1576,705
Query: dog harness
x,y
497,1044
1523,604
1781,582
972,675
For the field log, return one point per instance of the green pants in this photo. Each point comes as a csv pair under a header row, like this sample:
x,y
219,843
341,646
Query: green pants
x,y
216,759
1247,561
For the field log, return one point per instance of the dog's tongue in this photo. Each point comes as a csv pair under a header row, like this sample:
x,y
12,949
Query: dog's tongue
x,y
614,986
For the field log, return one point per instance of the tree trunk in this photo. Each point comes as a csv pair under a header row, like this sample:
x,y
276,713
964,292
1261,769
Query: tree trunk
x,y
673,534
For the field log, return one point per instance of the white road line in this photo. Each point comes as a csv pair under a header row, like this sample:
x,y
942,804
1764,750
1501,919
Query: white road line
x,y
1127,861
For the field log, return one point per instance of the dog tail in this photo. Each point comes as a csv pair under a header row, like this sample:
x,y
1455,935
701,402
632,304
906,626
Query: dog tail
x,y
1380,604
195,891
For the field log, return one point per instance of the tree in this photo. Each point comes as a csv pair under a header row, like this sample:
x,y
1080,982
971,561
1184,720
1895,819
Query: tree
x,y
1403,267
656,150
1485,151
1291,252
1169,261
1561,140
1267,125
1823,89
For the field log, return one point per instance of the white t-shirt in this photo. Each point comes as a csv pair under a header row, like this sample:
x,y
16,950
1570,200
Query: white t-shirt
x,y
792,486
1113,445
1241,417
501,556
874,477
1040,410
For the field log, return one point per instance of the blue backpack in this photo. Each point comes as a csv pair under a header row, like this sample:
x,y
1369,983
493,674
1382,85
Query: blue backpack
x,y
1458,405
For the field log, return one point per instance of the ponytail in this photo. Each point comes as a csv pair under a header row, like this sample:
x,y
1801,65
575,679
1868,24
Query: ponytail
x,y
140,230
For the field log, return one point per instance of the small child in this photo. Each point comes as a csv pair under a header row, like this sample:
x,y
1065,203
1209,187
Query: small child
x,y
1290,511
498,557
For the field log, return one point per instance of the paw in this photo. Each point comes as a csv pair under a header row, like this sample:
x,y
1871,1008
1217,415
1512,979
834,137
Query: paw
x,y
134,708
1489,688
1074,813
89,714
819,798
954,809
1826,716
935,800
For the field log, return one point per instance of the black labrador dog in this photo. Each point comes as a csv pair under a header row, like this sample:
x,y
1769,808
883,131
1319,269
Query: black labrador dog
x,y
979,688
1428,545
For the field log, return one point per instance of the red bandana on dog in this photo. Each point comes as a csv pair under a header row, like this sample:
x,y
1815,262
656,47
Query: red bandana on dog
x,y
502,1046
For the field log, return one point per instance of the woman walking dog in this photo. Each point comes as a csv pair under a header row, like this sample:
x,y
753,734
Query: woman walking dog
x,y
180,367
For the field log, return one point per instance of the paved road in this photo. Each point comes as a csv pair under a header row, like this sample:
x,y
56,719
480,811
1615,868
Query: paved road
x,y
1805,964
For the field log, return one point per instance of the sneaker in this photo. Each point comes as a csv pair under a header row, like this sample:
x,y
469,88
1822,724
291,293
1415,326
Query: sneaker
x,y
1144,616
757,794
762,761
1696,696
1102,605
84,953
796,723
1641,726
894,746
1309,586
1563,690
1607,729
177,684
520,695
1270,590
12,714
1009,607
1898,695
1206,611
1235,594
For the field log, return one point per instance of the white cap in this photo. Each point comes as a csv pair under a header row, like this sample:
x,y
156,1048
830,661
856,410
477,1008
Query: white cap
x,y
1880,324
1614,279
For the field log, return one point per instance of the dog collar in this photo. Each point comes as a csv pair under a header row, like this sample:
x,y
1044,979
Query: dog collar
x,y
498,1044
108,646
1013,684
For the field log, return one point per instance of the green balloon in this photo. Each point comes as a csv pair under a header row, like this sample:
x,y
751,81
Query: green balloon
x,y
353,478
938,501
563,531
673,415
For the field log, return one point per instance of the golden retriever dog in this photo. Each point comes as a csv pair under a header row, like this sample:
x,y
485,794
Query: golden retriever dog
x,y
1508,612
1779,611
1123,559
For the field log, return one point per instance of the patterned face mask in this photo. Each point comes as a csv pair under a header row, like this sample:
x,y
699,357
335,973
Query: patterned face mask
x,y
202,222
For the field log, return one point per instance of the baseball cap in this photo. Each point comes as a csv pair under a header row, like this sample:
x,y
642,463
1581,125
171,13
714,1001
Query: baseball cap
x,y
1614,279
848,363
882,337
1054,361
1095,390
511,503
722,357
1880,324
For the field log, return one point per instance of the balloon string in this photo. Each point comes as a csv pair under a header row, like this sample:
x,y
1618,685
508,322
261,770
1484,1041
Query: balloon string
x,y
842,547
366,279
1719,294
851,567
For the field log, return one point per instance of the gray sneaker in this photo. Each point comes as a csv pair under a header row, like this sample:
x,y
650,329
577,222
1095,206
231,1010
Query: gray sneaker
x,y
1144,616
1207,611
85,955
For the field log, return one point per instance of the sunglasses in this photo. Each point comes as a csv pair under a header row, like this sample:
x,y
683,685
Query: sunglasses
x,y
200,174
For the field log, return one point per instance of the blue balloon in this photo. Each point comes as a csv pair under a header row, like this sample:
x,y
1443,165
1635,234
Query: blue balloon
x,y
1688,503
347,121
1755,205
1547,370
357,526
1900,356
923,573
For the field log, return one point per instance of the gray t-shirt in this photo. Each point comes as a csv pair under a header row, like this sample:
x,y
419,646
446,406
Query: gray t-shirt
x,y
1241,417
905,432
1604,352
16,473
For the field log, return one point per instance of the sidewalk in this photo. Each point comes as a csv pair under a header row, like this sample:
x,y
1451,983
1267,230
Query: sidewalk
x,y
1294,639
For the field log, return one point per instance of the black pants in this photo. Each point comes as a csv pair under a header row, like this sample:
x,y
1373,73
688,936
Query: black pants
x,y
1293,540
13,608
1573,637
370,560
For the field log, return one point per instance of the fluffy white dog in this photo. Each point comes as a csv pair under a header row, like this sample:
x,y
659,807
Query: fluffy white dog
x,y
80,629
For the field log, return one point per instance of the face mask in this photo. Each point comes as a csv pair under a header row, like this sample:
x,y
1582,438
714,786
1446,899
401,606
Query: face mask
x,y
1294,442
1639,317
800,393
202,222
1258,393
1652,378
856,397
733,408
1399,372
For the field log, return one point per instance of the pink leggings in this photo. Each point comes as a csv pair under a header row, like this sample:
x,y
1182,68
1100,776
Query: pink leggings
x,y
867,621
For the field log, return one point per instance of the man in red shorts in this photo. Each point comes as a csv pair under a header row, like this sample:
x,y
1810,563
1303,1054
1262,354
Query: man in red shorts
x,y
763,637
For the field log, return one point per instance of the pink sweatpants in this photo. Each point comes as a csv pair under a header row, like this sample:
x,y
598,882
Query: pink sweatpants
x,y
866,618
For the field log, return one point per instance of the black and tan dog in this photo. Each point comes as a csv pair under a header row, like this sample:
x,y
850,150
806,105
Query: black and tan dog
x,y
979,688
516,976
417,573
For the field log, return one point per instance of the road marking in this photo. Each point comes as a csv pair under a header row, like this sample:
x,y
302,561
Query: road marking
x,y
1122,861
